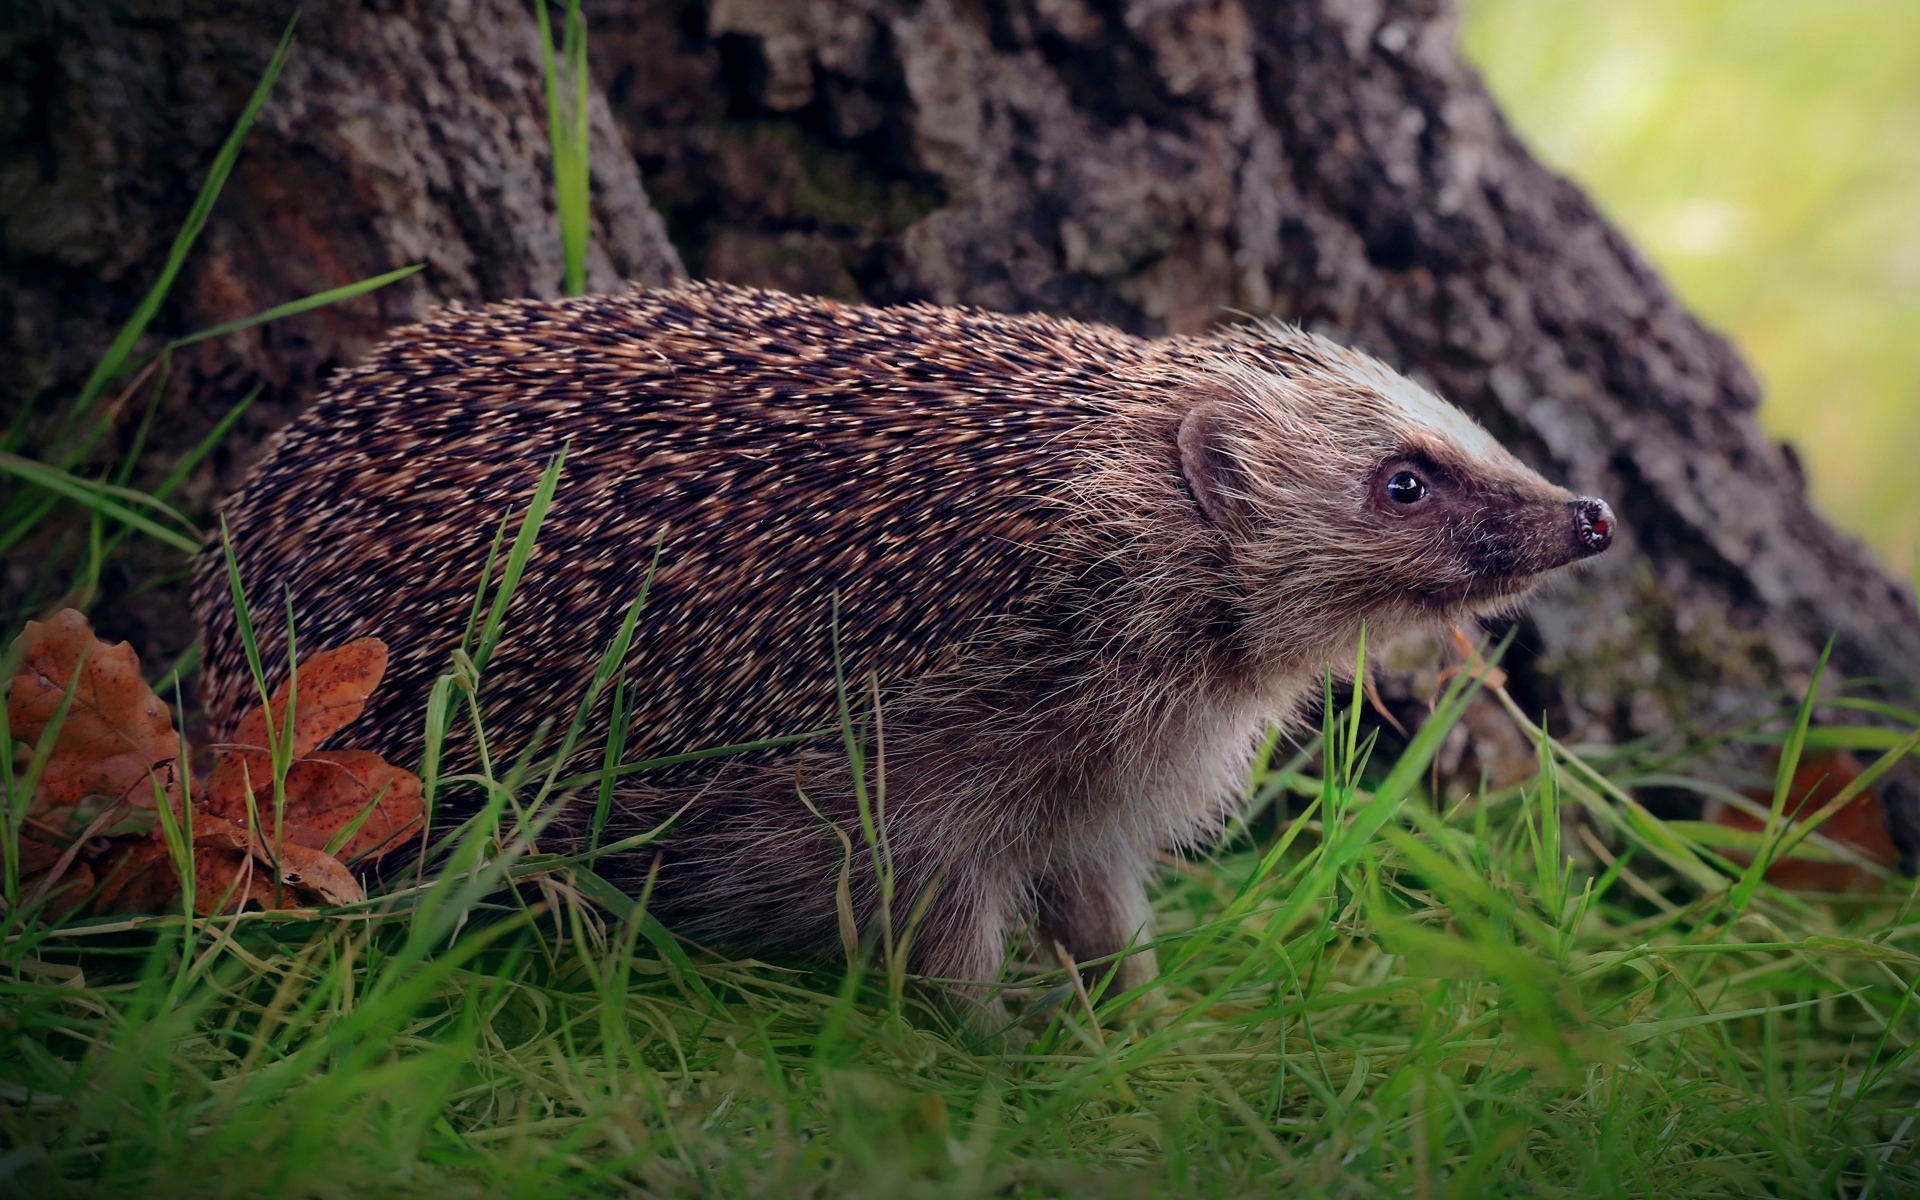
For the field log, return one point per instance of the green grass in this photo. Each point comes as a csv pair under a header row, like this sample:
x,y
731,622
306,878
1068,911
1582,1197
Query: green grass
x,y
1368,996
564,74
1540,989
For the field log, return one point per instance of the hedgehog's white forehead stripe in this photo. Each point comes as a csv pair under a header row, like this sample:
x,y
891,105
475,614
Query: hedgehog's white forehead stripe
x,y
1400,401
1429,412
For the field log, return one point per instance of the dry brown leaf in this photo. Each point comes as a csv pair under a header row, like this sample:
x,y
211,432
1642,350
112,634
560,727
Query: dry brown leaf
x,y
319,876
327,790
228,863
224,793
1489,675
67,893
215,833
334,686
228,875
36,855
116,731
139,878
333,690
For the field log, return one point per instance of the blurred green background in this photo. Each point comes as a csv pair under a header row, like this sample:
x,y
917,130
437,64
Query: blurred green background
x,y
1766,155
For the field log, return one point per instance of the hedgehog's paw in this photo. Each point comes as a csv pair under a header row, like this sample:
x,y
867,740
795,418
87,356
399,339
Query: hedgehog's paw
x,y
1098,919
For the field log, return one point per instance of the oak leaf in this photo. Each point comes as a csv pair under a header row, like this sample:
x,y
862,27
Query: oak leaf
x,y
329,789
318,875
333,687
68,891
226,881
231,869
139,878
116,731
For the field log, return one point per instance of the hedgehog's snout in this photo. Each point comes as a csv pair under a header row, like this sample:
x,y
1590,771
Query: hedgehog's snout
x,y
1592,525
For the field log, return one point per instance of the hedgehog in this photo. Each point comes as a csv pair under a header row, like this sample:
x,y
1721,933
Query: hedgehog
x,y
1072,576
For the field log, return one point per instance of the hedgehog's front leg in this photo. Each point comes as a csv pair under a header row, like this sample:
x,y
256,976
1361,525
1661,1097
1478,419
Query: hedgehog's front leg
x,y
962,941
1098,910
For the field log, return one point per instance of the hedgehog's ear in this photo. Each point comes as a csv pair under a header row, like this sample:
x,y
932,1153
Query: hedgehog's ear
x,y
1212,473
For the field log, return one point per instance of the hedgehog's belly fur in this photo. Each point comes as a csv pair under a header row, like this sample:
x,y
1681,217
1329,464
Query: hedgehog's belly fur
x,y
1059,829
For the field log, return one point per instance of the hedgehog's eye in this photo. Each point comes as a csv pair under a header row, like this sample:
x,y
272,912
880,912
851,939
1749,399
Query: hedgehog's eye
x,y
1406,488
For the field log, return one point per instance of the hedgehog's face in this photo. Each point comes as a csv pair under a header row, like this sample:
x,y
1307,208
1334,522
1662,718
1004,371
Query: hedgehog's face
x,y
1467,537
1371,499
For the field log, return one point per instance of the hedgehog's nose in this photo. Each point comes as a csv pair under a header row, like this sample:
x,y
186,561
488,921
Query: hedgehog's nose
x,y
1592,525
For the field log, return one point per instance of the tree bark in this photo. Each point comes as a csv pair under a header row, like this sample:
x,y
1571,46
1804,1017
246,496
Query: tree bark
x,y
1159,165
405,132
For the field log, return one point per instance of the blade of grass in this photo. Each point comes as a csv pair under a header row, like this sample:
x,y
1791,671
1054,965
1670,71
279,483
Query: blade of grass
x,y
243,625
616,749
1620,811
179,834
42,751
517,556
440,702
206,444
296,307
174,478
101,498
16,811
612,661
1755,873
122,345
567,135
693,756
282,747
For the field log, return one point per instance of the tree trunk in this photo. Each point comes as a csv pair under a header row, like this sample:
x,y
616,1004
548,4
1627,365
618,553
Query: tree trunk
x,y
407,132
1159,165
